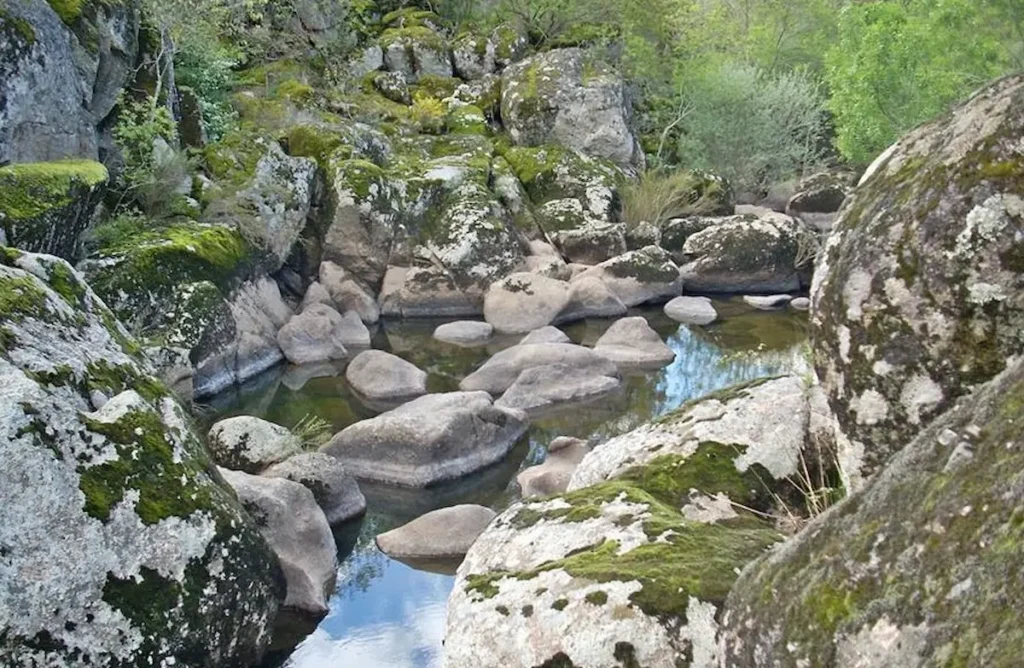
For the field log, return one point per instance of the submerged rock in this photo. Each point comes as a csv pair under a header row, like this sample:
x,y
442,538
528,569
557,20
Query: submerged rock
x,y
691,310
541,389
442,534
553,476
381,376
431,439
159,543
335,491
501,371
249,444
296,529
920,568
631,342
917,299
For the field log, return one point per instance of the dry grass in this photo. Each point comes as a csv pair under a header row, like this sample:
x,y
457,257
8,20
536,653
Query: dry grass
x,y
657,198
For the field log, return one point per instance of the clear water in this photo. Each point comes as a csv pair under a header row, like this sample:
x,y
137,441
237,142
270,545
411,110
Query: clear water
x,y
386,614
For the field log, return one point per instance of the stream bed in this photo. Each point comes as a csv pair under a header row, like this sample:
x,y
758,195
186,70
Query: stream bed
x,y
387,614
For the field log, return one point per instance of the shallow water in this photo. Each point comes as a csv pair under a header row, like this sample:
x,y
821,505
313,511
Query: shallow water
x,y
386,614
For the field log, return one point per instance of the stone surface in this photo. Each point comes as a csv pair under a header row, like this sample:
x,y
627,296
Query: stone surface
x,y
442,534
426,292
590,297
770,254
347,294
335,491
249,444
631,342
315,335
429,440
524,302
547,334
353,333
298,533
918,569
824,192
502,370
562,97
691,310
541,389
553,476
464,332
800,304
591,243
381,376
767,302
159,544
639,277
917,298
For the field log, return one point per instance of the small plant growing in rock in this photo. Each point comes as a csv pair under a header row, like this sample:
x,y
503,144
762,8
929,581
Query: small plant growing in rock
x,y
313,431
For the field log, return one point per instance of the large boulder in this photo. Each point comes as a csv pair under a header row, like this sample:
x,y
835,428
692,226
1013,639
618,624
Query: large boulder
x,y
639,277
336,492
541,389
61,68
501,371
416,292
315,335
691,310
249,444
297,530
381,376
632,343
920,568
45,207
524,302
918,298
566,97
95,448
441,534
774,253
590,297
429,440
416,50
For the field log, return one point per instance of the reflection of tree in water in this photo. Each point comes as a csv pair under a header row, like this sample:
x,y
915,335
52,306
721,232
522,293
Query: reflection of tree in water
x,y
360,562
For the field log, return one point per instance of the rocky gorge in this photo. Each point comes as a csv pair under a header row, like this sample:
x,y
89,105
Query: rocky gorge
x,y
406,314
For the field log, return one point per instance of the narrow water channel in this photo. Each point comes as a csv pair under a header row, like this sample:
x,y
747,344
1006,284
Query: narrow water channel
x,y
386,614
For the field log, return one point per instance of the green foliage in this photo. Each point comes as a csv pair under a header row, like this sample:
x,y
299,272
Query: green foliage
x,y
313,431
657,198
897,64
207,67
549,21
750,126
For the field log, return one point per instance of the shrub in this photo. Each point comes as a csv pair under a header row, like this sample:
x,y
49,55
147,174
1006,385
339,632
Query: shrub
x,y
549,22
751,127
657,198
208,69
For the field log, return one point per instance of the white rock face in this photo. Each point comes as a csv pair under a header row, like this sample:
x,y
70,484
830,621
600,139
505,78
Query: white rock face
x,y
524,302
315,335
297,530
691,310
541,389
431,439
464,332
553,476
767,421
249,444
381,376
501,371
631,342
335,491
442,534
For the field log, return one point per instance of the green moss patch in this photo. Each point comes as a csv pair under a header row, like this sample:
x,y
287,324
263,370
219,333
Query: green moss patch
x,y
32,189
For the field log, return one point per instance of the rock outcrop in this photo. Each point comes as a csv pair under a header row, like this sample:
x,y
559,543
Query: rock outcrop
x,y
95,447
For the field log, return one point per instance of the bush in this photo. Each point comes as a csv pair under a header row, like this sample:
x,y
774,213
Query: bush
x,y
657,198
548,22
751,127
208,69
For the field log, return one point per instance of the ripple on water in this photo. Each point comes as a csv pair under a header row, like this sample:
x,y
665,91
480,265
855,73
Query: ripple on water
x,y
386,614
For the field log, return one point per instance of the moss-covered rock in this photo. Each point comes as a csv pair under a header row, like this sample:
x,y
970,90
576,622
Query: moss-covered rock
x,y
415,49
640,276
45,207
96,445
922,568
918,297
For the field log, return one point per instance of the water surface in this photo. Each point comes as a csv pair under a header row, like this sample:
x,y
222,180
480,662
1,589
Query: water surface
x,y
386,614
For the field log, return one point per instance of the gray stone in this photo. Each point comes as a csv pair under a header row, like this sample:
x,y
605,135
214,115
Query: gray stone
x,y
552,477
691,310
501,371
639,277
442,534
824,192
315,335
249,444
381,376
767,302
316,293
159,544
631,342
393,86
589,297
547,334
541,389
591,243
465,332
298,533
426,292
335,491
524,302
549,266
800,304
642,235
473,56
347,294
353,333
429,440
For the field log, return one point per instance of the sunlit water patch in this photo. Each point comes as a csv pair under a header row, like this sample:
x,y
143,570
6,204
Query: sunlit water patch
x,y
386,614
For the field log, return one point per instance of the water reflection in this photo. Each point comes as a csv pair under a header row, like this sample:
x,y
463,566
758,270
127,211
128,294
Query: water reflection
x,y
388,614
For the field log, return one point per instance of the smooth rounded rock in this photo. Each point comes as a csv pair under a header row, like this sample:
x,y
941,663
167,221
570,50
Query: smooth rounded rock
x,y
641,276
590,297
250,444
553,476
549,334
524,302
381,376
767,302
631,342
442,534
542,388
336,492
501,371
800,304
465,332
315,335
691,310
